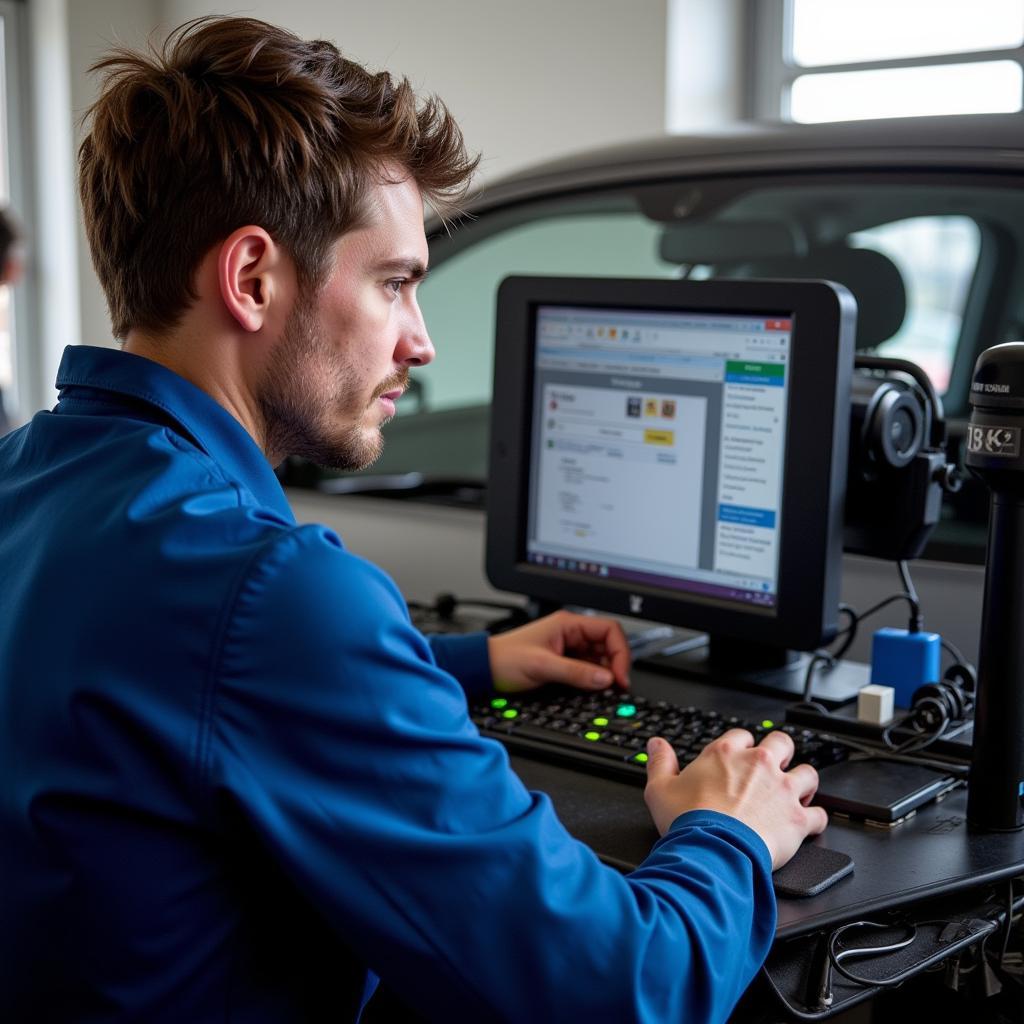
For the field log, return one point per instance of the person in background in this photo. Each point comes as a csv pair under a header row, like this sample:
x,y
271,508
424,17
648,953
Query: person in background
x,y
238,784
10,273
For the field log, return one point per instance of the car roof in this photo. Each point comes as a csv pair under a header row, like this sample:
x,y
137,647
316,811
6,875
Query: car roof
x,y
991,142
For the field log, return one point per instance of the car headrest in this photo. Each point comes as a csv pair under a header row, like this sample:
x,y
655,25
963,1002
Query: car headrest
x,y
872,278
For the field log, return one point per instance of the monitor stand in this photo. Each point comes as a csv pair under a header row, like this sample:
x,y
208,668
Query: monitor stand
x,y
760,668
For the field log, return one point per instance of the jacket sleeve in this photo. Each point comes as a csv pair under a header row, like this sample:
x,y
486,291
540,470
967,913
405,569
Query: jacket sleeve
x,y
349,754
466,658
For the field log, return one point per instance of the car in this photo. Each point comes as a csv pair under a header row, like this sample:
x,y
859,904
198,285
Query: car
x,y
920,218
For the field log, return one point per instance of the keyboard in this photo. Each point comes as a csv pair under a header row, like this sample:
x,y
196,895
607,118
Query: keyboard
x,y
607,732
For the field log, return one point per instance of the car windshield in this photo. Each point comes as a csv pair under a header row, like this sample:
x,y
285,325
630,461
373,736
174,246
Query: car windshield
x,y
922,257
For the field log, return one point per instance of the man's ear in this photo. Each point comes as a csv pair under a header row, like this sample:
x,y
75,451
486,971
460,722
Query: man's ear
x,y
250,266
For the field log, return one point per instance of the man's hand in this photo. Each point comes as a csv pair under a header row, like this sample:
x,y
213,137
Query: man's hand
x,y
577,650
750,783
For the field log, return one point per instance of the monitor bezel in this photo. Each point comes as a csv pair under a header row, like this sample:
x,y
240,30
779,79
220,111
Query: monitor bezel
x,y
814,470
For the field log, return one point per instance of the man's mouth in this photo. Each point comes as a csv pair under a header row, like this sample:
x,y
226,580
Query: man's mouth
x,y
388,399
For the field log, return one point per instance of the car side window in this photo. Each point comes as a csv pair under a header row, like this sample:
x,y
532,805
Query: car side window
x,y
459,295
937,257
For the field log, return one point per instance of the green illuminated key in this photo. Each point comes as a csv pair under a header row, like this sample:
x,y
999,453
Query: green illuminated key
x,y
768,724
626,710
601,721
509,713
640,758
592,736
499,702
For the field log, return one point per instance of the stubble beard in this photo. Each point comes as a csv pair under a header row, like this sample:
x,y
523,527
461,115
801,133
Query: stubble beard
x,y
308,389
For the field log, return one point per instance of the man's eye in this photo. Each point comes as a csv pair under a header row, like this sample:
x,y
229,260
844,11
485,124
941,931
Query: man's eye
x,y
396,284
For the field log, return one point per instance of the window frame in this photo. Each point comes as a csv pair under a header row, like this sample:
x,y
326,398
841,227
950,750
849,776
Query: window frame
x,y
770,34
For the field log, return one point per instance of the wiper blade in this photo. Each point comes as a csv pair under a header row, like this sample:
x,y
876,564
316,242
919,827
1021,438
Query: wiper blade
x,y
442,490
371,482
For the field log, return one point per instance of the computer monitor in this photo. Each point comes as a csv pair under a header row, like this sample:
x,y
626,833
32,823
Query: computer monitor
x,y
674,451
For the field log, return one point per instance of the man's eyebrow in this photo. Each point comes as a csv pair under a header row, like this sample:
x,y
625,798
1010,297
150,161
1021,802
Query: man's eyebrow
x,y
412,268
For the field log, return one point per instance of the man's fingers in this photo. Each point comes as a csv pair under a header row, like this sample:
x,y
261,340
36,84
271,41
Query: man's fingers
x,y
605,634
661,759
781,745
805,779
738,739
817,820
574,672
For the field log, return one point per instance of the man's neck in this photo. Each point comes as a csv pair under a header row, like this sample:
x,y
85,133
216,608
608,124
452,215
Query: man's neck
x,y
212,367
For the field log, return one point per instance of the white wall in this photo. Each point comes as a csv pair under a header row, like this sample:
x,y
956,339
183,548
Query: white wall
x,y
94,26
527,79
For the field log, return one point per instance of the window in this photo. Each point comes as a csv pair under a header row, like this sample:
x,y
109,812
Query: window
x,y
908,250
936,257
931,257
839,60
459,296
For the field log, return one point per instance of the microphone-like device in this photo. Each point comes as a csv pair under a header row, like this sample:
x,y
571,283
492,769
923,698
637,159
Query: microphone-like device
x,y
995,453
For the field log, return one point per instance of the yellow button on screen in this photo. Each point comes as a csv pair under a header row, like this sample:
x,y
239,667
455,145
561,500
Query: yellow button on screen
x,y
659,436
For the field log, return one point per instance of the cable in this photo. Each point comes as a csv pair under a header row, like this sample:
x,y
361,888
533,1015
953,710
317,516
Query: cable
x,y
1012,906
818,657
950,648
850,631
915,604
1009,925
888,601
834,959
897,979
829,658
979,930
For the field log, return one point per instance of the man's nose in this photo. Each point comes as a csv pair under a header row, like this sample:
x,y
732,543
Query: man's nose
x,y
415,347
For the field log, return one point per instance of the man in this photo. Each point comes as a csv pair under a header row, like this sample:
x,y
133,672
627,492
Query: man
x,y
238,785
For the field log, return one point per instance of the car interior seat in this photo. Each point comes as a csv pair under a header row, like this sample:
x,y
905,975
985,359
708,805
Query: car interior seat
x,y
768,249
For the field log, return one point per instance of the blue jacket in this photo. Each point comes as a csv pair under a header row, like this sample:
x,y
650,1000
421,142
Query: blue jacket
x,y
238,785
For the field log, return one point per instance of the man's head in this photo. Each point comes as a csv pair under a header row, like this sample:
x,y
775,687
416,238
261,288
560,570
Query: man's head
x,y
241,160
345,352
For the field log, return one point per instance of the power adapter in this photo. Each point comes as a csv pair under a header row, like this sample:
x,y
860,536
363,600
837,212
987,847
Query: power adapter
x,y
904,660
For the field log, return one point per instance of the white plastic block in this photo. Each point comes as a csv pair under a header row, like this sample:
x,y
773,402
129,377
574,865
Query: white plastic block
x,y
875,704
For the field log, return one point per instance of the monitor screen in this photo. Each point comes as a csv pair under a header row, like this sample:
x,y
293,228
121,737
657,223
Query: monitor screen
x,y
673,450
657,443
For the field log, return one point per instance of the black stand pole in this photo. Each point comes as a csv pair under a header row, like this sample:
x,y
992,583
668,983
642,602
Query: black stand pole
x,y
994,790
995,453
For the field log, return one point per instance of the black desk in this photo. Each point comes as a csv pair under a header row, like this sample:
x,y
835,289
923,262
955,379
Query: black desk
x,y
932,854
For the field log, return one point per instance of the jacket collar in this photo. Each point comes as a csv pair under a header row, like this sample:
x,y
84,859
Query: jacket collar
x,y
208,424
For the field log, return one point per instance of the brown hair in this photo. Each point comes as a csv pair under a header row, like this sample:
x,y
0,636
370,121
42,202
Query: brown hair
x,y
230,122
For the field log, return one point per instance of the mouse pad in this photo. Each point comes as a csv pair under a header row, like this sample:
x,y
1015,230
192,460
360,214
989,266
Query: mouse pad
x,y
811,870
